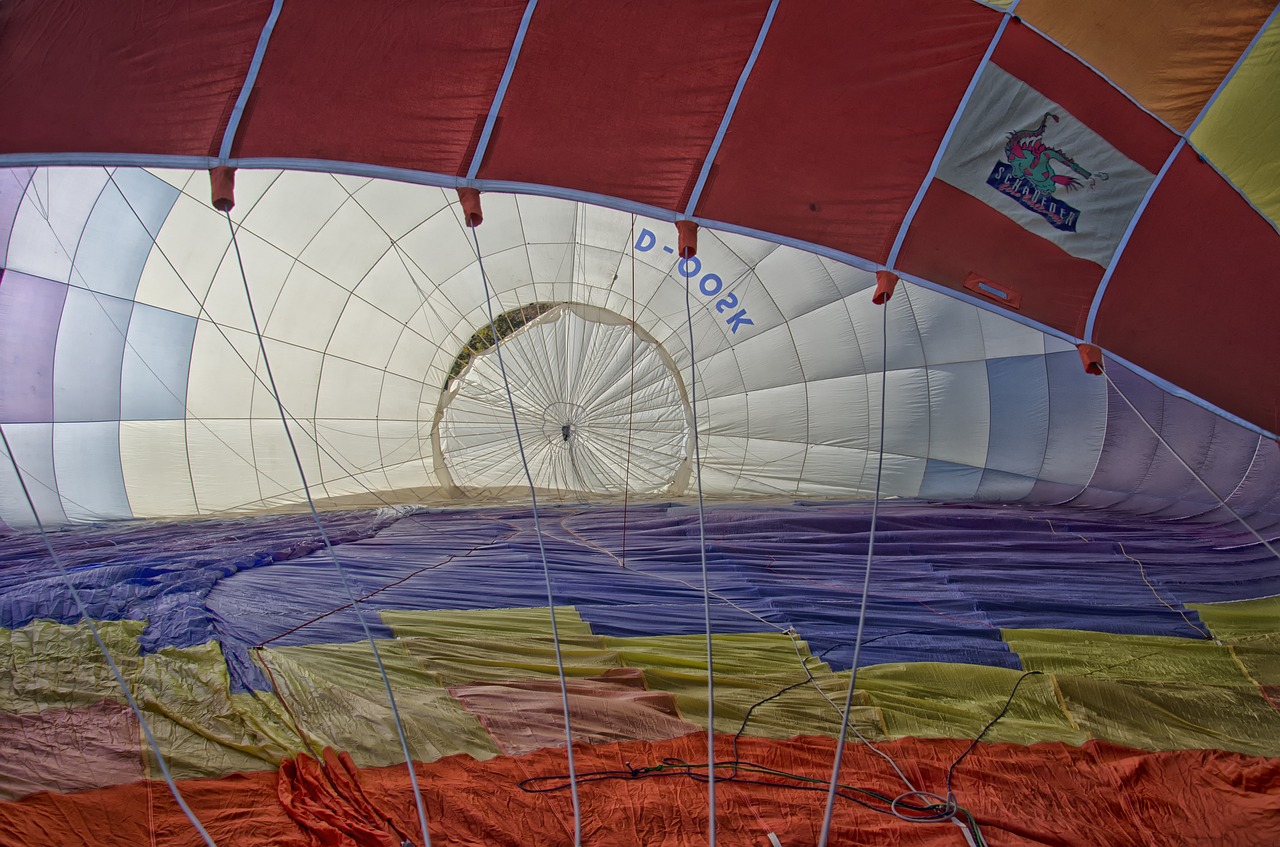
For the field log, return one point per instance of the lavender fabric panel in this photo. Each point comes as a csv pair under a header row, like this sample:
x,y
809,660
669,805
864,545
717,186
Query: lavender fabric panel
x,y
13,185
30,311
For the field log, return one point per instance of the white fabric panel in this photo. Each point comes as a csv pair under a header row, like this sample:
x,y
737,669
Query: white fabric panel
x,y
153,460
351,461
1002,337
86,457
768,359
47,227
398,207
224,464
394,286
348,390
157,357
297,374
826,342
265,267
948,329
1077,421
185,258
294,209
840,412
364,334
960,413
349,244
306,311
87,362
809,285
439,246
221,378
277,474
32,445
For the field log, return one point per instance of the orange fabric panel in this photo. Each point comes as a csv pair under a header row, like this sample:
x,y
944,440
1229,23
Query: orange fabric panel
x,y
954,235
1170,55
526,715
1046,794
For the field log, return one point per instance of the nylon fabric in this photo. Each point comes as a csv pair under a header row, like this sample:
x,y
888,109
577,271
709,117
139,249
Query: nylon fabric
x,y
1024,796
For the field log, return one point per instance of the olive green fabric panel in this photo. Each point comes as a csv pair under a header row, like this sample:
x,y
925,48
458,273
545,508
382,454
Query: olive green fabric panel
x,y
948,700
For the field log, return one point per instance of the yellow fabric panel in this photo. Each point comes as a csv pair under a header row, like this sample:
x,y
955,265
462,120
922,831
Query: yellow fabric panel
x,y
1170,55
1173,715
337,694
948,700
750,667
1243,618
1104,655
1241,133
49,665
524,623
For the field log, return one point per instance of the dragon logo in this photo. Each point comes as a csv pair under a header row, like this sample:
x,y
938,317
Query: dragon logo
x,y
1029,178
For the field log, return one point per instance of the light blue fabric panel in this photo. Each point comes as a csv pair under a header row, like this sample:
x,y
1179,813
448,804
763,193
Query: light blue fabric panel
x,y
949,481
153,379
1018,387
88,357
32,445
1078,421
87,459
119,233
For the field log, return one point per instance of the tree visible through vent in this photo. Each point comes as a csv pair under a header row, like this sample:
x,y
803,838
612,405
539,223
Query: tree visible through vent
x,y
506,323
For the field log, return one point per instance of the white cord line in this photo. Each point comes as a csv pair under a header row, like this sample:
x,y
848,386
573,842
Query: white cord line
x,y
702,551
97,636
328,545
866,590
542,550
1174,453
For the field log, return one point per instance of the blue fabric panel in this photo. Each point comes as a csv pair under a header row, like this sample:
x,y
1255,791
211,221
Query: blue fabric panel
x,y
86,457
153,381
945,579
949,481
115,244
89,356
1019,435
32,445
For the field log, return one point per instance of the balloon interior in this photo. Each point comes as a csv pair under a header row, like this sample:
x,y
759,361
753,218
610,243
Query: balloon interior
x,y
743,423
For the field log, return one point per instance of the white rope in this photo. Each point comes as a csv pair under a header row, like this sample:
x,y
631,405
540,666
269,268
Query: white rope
x,y
702,551
97,637
328,545
1174,453
866,590
542,551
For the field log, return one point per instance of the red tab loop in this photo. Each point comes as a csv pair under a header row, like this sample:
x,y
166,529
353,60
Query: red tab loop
x,y
1091,355
886,282
223,181
470,199
688,232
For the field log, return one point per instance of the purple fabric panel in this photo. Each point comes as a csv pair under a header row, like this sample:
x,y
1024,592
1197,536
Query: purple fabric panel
x,y
13,185
30,310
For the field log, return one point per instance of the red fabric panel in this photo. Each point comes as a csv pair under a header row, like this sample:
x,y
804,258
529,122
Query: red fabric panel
x,y
1206,319
1046,794
954,235
526,715
402,83
96,745
622,99
128,76
842,116
1082,92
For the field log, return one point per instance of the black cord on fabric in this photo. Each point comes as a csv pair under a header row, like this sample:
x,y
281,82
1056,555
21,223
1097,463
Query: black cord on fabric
x,y
904,806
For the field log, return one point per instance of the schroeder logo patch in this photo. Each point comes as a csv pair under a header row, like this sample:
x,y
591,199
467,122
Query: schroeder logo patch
x,y
1028,177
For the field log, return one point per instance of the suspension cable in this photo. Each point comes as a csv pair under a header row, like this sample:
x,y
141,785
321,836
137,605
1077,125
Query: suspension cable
x,y
702,551
1181,461
866,587
542,550
102,646
328,544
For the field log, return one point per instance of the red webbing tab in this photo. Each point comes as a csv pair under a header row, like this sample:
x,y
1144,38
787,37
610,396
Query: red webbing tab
x,y
886,282
470,199
688,232
1091,355
223,180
